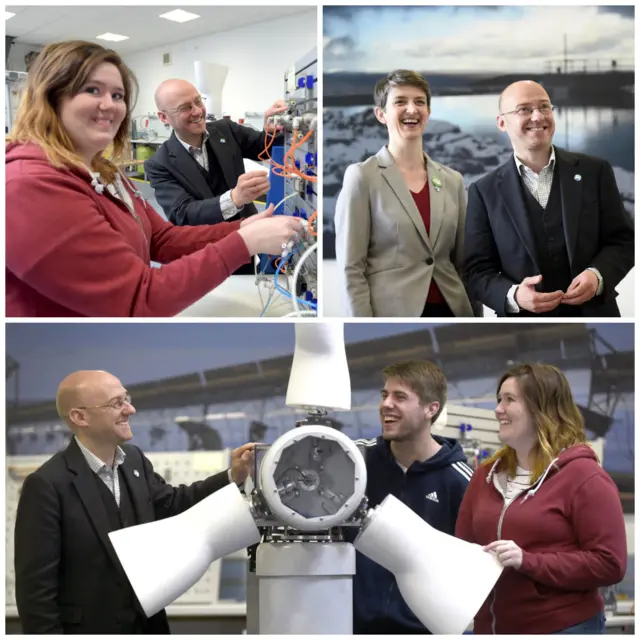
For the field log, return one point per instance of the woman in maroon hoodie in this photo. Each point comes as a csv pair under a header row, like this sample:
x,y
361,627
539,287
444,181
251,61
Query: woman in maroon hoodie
x,y
548,511
79,236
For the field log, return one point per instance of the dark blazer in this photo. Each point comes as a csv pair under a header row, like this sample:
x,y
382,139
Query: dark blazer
x,y
499,242
68,577
180,188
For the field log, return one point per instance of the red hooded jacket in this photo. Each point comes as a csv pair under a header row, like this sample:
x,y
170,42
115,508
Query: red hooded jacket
x,y
71,251
571,530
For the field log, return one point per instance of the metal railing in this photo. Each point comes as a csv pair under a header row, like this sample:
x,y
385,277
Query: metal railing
x,y
584,65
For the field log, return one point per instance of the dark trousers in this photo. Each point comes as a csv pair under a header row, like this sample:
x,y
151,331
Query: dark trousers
x,y
592,626
437,311
569,311
386,627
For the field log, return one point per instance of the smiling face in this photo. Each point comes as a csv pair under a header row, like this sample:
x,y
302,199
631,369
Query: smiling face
x,y
516,424
405,114
102,411
402,414
181,106
528,132
93,116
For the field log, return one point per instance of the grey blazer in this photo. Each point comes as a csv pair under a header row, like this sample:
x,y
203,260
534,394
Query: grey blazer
x,y
383,248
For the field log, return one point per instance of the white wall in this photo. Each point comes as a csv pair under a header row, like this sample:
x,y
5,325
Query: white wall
x,y
629,521
257,57
17,53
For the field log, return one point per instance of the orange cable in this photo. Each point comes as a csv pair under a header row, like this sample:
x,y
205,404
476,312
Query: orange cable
x,y
310,230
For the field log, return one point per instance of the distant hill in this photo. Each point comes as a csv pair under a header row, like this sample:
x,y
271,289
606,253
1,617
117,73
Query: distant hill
x,y
347,83
610,88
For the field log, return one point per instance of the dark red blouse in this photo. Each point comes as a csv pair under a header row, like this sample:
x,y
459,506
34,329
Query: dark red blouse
x,y
423,202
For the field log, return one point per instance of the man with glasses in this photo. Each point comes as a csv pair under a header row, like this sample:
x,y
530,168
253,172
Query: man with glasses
x,y
547,232
68,577
198,174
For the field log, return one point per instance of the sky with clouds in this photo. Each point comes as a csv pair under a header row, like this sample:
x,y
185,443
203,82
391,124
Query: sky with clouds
x,y
472,39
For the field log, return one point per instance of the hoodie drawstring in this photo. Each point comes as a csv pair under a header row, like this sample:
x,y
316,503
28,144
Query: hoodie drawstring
x,y
136,192
96,184
124,181
532,491
99,187
537,485
490,474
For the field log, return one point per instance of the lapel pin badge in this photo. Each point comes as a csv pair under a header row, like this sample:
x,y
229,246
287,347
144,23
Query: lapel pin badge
x,y
577,177
222,140
436,183
136,473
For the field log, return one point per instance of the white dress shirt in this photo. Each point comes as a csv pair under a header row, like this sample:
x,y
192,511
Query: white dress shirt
x,y
108,475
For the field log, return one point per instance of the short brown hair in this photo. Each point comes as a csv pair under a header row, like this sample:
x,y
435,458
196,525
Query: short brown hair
x,y
399,78
59,72
556,418
424,378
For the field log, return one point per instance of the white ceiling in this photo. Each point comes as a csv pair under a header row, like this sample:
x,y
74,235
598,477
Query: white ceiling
x,y
40,25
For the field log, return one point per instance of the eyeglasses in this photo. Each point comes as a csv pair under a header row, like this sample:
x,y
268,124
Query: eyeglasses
x,y
198,103
544,109
116,405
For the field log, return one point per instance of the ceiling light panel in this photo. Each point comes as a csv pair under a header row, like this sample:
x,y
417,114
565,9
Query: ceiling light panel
x,y
112,37
179,16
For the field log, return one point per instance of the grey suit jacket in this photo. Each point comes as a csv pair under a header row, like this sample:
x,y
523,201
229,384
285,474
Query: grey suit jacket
x,y
382,245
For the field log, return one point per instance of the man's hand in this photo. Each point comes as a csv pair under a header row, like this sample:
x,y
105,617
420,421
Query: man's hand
x,y
582,289
242,462
508,552
279,106
267,213
250,185
528,298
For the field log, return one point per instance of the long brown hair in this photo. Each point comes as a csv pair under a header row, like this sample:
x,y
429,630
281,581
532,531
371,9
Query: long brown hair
x,y
556,418
59,72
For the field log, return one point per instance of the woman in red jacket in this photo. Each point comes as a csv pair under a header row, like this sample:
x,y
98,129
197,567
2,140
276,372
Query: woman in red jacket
x,y
548,511
79,236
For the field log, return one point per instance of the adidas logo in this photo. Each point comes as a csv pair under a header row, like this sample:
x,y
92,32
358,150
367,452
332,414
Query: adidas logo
x,y
433,496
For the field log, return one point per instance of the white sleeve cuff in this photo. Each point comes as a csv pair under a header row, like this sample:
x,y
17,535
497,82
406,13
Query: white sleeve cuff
x,y
240,486
227,207
600,288
512,305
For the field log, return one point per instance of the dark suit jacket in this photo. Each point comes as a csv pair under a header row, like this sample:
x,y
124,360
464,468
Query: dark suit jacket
x,y
181,189
68,577
499,242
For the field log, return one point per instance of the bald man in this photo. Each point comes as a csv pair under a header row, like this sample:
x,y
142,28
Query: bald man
x,y
547,233
198,174
68,577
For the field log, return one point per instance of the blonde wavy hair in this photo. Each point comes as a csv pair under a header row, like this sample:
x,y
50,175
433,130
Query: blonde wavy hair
x,y
556,418
60,72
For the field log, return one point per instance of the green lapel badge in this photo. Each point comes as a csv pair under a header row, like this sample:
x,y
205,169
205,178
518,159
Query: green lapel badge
x,y
436,183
